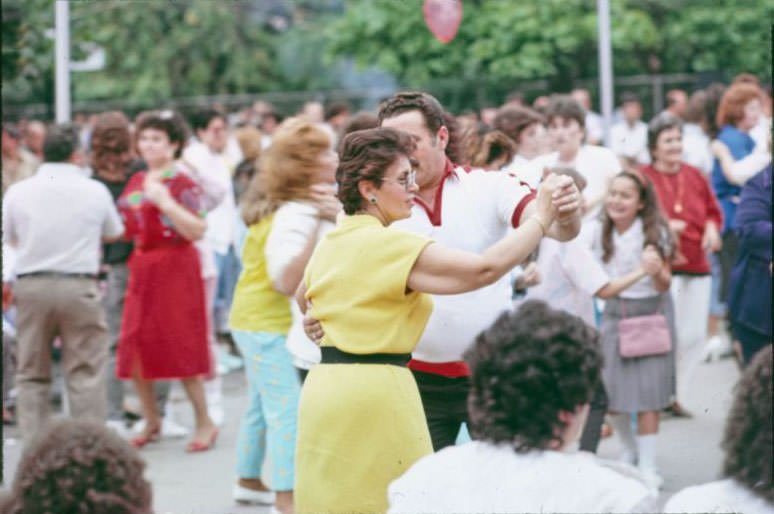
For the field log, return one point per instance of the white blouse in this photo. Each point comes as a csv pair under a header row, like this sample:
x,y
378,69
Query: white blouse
x,y
293,225
721,496
627,254
484,477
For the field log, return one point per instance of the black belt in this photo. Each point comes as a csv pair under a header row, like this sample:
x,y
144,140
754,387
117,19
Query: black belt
x,y
332,355
57,274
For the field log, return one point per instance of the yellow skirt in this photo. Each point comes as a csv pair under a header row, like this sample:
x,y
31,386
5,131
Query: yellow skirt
x,y
360,426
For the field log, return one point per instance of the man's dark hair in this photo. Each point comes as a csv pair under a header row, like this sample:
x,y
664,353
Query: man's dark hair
x,y
366,155
565,106
628,97
60,142
362,120
407,101
201,118
527,368
333,109
79,466
748,439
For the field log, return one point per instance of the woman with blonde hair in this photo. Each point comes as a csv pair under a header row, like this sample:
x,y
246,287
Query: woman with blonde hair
x,y
286,208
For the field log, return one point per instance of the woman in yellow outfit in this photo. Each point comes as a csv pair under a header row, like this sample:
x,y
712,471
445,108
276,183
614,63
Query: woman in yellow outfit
x,y
361,422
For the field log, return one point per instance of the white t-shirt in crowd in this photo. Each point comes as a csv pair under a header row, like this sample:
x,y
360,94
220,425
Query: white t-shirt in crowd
x,y
521,168
627,256
696,148
571,275
484,477
594,126
477,209
597,164
721,496
630,141
56,220
220,220
293,225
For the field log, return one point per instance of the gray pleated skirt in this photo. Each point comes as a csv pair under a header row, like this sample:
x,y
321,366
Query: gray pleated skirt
x,y
641,383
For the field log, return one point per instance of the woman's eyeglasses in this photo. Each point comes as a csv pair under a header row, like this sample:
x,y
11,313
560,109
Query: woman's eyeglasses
x,y
408,181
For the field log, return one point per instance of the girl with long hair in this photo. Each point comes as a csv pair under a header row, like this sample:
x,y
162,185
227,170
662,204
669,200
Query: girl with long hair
x,y
631,233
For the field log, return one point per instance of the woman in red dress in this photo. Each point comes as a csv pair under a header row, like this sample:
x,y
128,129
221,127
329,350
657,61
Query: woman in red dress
x,y
164,328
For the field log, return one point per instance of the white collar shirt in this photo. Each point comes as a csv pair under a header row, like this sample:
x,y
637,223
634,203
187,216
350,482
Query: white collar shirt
x,y
476,209
56,220
630,141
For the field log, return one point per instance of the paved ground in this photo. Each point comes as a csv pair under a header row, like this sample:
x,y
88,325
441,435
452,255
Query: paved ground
x,y
689,451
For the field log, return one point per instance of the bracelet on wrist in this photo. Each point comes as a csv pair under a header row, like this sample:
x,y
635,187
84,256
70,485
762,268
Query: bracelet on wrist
x,y
543,228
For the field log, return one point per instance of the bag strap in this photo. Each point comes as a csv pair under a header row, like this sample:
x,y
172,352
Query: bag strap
x,y
659,309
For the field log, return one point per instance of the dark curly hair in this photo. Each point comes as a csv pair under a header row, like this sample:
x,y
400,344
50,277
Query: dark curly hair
x,y
167,121
748,438
79,467
366,155
525,369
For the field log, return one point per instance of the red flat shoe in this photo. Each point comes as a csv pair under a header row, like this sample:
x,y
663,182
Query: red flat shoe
x,y
198,446
142,440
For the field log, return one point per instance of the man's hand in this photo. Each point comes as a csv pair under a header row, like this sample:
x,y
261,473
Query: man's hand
x,y
568,202
313,329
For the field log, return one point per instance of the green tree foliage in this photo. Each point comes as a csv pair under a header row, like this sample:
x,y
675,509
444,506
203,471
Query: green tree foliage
x,y
158,49
502,40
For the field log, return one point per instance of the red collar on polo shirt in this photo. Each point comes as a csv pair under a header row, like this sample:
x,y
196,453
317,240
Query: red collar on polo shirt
x,y
434,213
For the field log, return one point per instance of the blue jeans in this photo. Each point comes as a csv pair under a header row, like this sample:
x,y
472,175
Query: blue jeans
x,y
229,268
717,305
269,425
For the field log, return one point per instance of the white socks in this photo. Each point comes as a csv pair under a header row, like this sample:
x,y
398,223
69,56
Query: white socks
x,y
646,450
622,423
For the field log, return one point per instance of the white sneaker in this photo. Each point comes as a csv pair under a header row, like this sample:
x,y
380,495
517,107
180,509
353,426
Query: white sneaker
x,y
169,428
652,479
716,348
245,495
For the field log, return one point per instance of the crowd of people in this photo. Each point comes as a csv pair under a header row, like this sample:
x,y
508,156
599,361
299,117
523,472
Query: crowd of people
x,y
389,281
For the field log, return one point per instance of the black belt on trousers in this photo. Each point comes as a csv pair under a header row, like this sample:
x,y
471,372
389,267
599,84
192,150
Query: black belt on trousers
x,y
57,274
332,355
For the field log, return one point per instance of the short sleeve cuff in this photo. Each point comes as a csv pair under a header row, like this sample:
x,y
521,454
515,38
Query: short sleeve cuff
x,y
516,218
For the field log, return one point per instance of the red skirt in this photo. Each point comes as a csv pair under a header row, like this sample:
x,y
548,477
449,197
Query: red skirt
x,y
164,328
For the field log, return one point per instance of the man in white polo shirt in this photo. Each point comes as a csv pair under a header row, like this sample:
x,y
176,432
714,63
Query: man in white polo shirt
x,y
56,221
464,209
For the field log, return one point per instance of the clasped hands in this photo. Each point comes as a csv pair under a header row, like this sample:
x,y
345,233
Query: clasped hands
x,y
558,199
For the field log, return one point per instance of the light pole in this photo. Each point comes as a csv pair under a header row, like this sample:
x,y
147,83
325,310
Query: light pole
x,y
605,65
62,60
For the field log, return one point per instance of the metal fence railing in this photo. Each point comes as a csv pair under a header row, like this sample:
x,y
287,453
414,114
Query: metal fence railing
x,y
456,94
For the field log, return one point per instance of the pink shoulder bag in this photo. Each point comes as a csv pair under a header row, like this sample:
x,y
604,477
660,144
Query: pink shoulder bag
x,y
641,336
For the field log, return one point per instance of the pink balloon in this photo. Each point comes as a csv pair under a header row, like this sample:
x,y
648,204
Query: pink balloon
x,y
443,18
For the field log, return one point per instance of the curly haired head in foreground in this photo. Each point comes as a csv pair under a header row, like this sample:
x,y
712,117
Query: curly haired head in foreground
x,y
527,369
79,467
748,440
